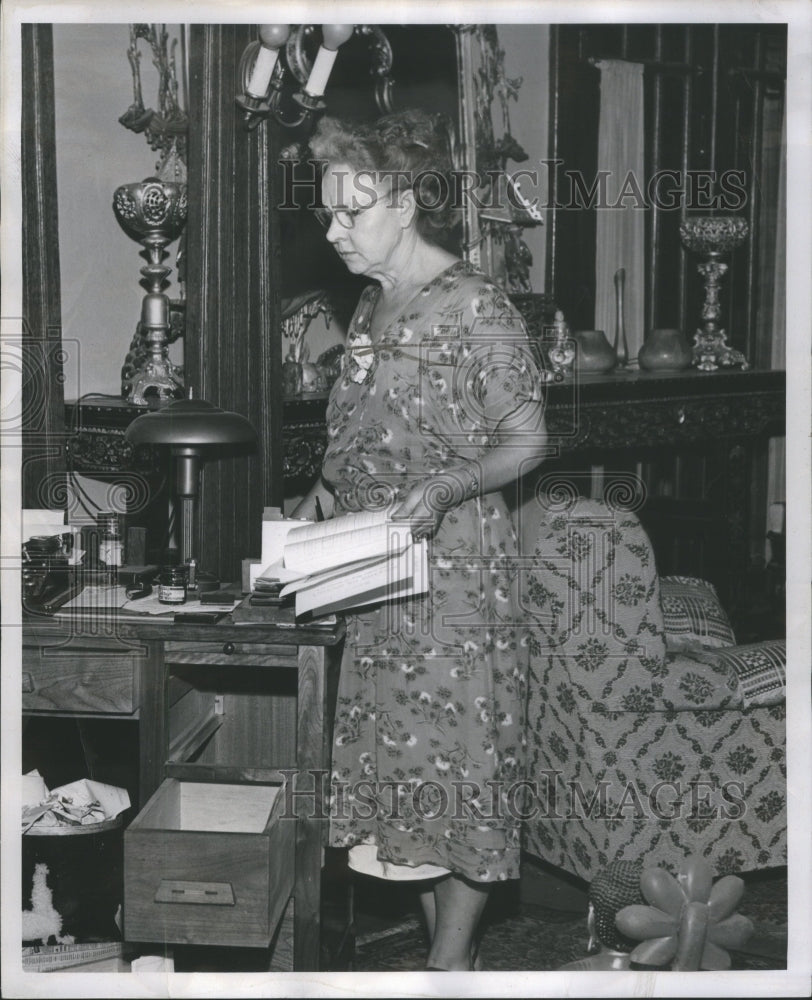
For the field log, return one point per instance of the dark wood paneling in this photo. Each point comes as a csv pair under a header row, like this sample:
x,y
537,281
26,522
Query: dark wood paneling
x,y
233,356
574,106
43,423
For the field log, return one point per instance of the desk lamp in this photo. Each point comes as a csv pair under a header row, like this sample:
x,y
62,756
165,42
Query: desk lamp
x,y
190,427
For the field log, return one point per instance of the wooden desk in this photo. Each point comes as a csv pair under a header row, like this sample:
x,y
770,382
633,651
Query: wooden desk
x,y
205,692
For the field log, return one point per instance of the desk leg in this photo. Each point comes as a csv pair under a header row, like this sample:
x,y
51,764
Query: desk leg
x,y
153,723
311,753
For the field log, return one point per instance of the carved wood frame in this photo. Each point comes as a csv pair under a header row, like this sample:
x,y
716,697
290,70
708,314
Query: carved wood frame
x,y
42,351
233,312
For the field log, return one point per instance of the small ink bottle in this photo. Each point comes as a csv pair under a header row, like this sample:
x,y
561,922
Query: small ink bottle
x,y
110,543
172,585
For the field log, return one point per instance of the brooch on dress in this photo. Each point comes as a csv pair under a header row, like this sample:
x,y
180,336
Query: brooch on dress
x,y
361,358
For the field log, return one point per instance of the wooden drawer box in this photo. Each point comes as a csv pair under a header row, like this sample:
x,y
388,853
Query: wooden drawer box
x,y
72,679
208,864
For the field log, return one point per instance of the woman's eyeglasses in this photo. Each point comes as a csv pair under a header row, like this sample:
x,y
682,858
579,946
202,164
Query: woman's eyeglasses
x,y
344,216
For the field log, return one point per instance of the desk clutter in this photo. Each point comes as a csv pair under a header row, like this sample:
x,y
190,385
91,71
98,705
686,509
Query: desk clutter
x,y
70,570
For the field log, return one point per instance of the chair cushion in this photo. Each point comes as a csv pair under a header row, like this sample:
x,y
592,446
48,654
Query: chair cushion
x,y
692,612
760,671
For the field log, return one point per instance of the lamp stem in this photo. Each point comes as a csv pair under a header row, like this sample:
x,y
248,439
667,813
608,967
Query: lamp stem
x,y
187,485
187,522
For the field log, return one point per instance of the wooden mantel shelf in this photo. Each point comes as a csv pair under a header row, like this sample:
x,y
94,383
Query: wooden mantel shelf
x,y
623,409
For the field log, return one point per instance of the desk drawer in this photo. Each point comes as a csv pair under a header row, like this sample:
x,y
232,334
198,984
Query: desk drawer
x,y
73,680
208,864
246,654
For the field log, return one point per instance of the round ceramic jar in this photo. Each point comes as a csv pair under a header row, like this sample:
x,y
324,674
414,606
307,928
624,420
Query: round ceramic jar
x,y
594,352
665,350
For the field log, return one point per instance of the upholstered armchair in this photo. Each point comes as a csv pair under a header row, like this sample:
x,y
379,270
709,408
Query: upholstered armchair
x,y
651,736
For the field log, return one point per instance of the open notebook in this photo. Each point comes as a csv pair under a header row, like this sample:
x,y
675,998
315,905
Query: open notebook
x,y
348,562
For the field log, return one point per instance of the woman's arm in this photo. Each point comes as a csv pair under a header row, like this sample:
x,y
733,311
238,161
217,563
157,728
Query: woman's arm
x,y
307,505
518,452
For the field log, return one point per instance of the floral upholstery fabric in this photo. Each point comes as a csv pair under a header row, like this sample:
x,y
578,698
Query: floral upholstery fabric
x,y
636,753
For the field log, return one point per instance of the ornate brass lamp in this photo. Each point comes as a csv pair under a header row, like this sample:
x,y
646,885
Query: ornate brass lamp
x,y
153,212
714,236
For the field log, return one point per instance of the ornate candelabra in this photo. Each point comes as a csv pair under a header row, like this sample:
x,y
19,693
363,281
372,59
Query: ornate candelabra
x,y
153,212
714,237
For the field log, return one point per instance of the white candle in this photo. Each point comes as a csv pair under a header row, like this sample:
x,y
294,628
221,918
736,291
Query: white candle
x,y
320,74
262,72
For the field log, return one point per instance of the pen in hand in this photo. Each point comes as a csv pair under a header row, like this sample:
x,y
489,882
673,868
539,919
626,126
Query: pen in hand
x,y
319,511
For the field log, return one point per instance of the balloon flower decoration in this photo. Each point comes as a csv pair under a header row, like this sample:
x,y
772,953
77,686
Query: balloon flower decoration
x,y
689,922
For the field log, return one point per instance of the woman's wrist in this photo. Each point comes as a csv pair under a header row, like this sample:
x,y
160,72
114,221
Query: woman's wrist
x,y
471,471
452,487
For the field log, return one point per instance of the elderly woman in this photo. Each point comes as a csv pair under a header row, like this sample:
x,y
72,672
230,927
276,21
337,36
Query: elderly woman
x,y
436,410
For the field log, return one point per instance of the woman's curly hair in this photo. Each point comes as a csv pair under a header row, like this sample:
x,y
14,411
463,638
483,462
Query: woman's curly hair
x,y
413,146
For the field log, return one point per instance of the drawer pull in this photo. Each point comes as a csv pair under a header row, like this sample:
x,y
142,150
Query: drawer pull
x,y
28,683
228,648
208,893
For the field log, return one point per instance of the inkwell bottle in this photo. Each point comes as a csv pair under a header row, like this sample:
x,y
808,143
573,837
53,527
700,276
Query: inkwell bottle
x,y
110,542
172,585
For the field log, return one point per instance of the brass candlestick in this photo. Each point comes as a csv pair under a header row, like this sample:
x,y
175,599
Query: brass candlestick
x,y
714,237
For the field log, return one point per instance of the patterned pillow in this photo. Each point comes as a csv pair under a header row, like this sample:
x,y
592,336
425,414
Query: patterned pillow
x,y
760,671
692,612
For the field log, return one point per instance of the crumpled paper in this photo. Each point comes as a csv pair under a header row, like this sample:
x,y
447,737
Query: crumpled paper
x,y
79,803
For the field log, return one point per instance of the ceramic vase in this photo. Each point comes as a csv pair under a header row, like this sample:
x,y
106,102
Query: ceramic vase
x,y
594,353
665,350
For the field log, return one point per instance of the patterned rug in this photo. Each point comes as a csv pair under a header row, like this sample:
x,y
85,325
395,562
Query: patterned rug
x,y
533,938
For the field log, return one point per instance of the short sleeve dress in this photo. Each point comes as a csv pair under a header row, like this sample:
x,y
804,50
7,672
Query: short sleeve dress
x,y
429,731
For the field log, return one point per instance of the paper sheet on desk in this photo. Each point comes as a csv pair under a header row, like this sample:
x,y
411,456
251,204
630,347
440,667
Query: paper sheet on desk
x,y
111,597
115,597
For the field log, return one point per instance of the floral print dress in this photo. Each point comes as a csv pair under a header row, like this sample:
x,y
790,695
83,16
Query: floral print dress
x,y
429,729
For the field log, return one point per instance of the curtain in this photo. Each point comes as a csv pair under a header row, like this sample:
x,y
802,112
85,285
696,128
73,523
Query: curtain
x,y
620,237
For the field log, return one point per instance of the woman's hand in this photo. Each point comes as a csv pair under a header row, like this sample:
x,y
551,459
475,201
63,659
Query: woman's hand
x,y
426,503
317,504
421,510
